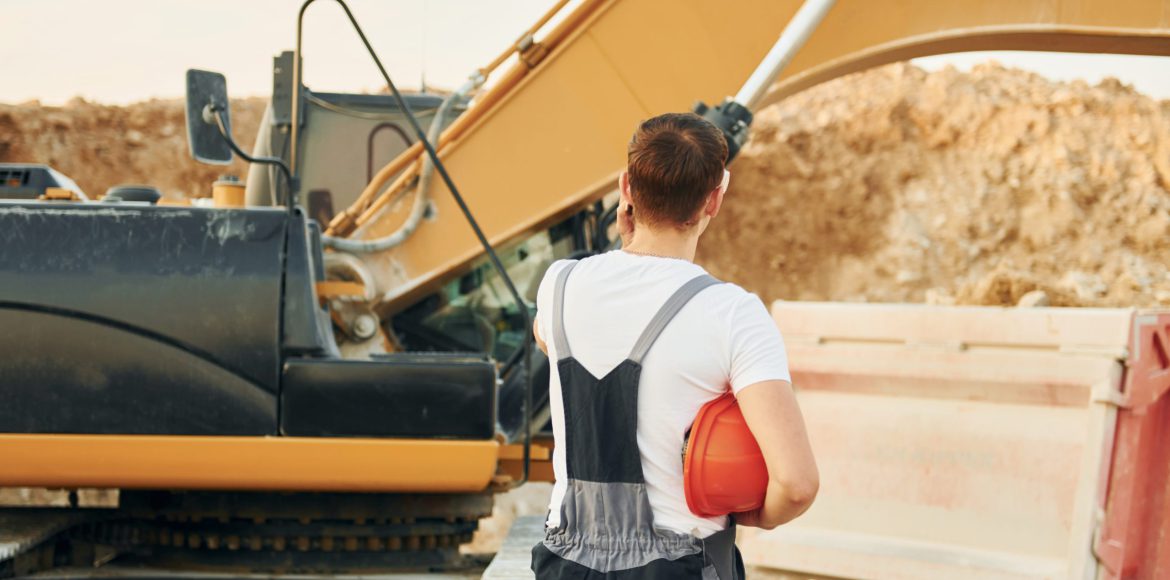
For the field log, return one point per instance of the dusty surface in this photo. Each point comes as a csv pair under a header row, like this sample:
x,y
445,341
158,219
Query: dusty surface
x,y
57,497
896,185
99,146
529,499
39,497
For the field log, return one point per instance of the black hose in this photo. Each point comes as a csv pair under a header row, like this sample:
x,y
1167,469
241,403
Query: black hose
x,y
219,113
495,259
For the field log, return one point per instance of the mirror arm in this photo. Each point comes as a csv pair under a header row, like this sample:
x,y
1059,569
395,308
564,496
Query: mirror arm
x,y
216,113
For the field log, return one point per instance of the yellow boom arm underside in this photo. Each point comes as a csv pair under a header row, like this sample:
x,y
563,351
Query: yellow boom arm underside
x,y
555,140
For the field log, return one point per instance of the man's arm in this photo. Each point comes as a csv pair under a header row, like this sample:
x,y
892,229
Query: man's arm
x,y
772,415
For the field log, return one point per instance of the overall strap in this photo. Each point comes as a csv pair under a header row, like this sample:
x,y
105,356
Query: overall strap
x,y
560,339
667,313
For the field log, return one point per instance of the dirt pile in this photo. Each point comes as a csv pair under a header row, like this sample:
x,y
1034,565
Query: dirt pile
x,y
898,185
101,145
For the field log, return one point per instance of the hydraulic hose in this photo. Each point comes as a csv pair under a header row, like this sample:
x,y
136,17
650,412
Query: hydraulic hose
x,y
421,199
493,258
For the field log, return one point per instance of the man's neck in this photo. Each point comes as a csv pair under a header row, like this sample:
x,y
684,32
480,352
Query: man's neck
x,y
663,243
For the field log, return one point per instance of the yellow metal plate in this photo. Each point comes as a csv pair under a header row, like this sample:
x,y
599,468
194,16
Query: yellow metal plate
x,y
246,463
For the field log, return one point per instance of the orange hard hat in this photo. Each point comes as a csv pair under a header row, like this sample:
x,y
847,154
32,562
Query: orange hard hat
x,y
723,468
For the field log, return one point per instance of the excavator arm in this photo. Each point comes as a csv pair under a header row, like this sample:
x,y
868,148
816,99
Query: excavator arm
x,y
548,138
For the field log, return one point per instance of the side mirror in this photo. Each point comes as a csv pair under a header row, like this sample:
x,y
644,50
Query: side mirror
x,y
207,98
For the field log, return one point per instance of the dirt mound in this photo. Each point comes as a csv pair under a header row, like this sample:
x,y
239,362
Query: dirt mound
x,y
897,185
101,145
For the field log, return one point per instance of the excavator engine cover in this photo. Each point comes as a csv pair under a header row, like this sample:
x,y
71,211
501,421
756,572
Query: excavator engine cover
x,y
723,468
138,319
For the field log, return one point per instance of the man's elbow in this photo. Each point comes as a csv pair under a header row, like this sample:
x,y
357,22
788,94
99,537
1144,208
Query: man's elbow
x,y
800,494
797,495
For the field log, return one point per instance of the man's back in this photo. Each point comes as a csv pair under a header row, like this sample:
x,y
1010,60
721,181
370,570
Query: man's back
x,y
723,337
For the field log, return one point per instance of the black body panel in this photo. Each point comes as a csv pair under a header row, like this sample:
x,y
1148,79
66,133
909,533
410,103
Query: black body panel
x,y
69,374
139,319
207,279
132,318
401,395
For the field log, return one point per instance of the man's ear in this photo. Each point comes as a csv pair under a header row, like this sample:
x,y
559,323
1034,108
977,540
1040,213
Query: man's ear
x,y
627,198
714,202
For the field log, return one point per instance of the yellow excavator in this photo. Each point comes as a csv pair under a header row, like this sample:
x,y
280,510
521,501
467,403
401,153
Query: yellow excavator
x,y
328,368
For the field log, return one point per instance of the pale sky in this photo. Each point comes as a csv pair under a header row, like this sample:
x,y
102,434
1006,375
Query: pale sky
x,y
120,51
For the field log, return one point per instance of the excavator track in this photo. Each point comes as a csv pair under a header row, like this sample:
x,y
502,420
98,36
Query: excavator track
x,y
243,533
27,534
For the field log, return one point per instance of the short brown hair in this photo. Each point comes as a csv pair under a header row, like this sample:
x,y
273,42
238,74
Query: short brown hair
x,y
675,160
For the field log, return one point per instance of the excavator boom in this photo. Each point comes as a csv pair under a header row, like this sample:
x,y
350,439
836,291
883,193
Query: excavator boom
x,y
549,137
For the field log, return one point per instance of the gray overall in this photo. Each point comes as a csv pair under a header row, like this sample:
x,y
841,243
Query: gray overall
x,y
607,527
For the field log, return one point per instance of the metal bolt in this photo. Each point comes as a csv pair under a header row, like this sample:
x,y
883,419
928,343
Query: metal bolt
x,y
365,326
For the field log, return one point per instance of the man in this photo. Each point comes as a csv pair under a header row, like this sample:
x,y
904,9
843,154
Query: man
x,y
643,338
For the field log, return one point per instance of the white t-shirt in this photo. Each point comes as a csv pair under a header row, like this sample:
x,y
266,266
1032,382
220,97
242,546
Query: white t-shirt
x,y
723,338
